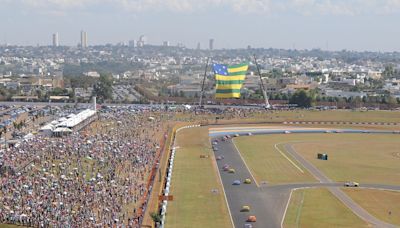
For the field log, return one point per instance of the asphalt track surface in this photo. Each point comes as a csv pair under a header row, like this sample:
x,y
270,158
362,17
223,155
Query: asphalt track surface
x,y
269,203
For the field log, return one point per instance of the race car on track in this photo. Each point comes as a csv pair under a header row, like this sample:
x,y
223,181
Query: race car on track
x,y
236,182
247,181
351,184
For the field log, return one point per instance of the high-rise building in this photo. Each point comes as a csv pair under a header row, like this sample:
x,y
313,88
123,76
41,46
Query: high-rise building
x,y
132,43
84,42
211,44
198,46
142,41
55,40
166,43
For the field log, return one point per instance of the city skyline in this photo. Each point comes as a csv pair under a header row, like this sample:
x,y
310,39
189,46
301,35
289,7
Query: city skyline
x,y
290,24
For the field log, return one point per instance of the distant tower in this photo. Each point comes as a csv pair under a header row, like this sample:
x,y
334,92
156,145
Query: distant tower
x,y
84,39
132,43
142,41
198,46
55,40
211,44
166,43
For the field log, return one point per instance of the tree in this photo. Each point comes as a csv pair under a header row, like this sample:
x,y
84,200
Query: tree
x,y
302,98
389,71
365,99
39,93
391,101
58,92
103,88
156,217
278,96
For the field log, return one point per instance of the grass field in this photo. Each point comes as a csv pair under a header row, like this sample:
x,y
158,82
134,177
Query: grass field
x,y
338,115
266,163
378,203
195,205
8,226
365,158
297,115
319,208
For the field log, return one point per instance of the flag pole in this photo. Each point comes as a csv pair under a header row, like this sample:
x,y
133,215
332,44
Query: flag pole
x,y
202,86
264,92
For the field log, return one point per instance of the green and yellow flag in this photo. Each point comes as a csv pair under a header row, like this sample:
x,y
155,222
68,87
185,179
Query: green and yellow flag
x,y
229,79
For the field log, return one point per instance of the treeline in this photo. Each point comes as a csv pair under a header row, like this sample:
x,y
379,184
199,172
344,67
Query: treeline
x,y
104,67
307,99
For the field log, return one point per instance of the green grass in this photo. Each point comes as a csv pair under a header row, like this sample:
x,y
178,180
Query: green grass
x,y
266,163
319,208
194,204
365,158
378,203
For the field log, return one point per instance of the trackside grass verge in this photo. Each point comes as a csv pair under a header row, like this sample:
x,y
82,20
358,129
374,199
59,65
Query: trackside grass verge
x,y
317,207
198,196
384,205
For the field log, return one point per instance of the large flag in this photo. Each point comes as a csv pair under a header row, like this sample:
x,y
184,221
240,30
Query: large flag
x,y
229,79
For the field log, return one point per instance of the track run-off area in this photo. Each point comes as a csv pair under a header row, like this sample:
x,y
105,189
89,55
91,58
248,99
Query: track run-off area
x,y
269,202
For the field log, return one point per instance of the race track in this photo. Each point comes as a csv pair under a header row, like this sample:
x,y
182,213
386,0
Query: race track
x,y
269,203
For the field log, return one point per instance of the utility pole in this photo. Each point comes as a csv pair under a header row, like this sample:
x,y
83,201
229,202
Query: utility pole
x,y
202,86
264,92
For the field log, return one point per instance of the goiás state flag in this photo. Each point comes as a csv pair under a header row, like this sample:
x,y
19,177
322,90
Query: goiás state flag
x,y
229,79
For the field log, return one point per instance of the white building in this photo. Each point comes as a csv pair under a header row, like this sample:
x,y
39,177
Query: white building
x,y
374,74
93,74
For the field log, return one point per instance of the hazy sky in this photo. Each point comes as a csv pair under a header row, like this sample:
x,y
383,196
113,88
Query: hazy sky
x,y
303,24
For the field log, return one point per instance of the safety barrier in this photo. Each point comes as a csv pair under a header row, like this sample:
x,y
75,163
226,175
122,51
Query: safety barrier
x,y
342,123
169,174
150,181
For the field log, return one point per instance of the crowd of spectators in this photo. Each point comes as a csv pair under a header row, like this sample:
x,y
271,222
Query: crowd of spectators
x,y
93,178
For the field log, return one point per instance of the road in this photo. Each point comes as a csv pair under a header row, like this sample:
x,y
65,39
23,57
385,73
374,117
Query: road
x,y
268,203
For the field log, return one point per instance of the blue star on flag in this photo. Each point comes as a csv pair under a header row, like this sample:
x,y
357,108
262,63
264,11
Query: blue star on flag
x,y
220,69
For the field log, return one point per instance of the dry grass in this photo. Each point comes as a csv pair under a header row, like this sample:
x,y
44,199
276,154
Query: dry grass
x,y
365,158
266,163
319,208
194,204
379,203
